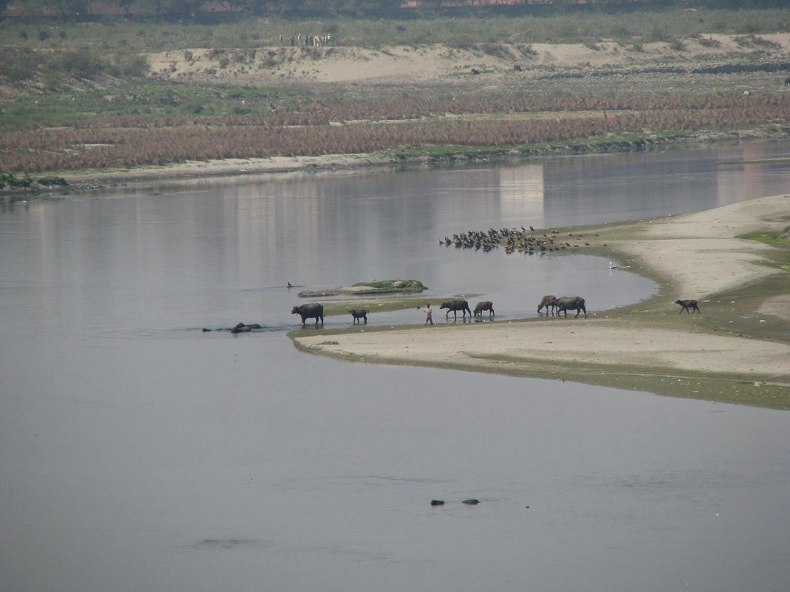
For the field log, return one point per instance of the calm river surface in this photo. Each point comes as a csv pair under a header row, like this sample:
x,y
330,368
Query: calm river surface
x,y
138,453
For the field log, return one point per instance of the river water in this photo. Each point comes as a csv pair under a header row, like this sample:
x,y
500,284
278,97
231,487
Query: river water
x,y
139,453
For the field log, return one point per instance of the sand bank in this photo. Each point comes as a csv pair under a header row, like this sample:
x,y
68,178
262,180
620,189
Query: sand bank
x,y
429,64
605,343
228,167
696,255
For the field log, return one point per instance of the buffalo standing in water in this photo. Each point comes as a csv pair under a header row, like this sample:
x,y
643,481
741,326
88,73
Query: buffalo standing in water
x,y
567,303
310,311
455,306
359,314
548,303
485,305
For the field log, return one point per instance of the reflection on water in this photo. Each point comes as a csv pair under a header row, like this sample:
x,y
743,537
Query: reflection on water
x,y
137,452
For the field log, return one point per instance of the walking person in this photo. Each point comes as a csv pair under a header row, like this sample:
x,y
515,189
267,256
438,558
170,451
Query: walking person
x,y
428,314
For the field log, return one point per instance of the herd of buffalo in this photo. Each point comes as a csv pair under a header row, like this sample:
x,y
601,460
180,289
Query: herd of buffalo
x,y
513,239
552,304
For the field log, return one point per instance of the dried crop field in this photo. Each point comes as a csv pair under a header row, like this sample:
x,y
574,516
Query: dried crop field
x,y
126,142
372,111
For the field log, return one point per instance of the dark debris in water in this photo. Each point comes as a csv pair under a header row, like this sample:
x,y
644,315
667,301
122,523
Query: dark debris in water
x,y
227,543
468,502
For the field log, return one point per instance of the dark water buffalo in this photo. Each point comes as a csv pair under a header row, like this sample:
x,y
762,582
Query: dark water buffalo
x,y
359,314
688,306
485,305
787,81
567,303
310,311
547,302
454,306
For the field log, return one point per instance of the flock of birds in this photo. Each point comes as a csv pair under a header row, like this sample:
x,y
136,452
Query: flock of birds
x,y
514,239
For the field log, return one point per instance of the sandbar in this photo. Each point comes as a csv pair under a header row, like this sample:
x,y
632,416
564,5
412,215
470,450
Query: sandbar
x,y
696,255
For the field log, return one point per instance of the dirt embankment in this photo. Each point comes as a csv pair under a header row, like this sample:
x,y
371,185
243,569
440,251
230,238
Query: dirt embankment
x,y
443,64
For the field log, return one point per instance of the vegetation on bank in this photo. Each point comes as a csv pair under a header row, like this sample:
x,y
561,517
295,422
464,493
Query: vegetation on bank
x,y
144,103
128,38
391,286
89,146
76,96
152,105
348,29
55,68
368,289
780,256
11,180
224,9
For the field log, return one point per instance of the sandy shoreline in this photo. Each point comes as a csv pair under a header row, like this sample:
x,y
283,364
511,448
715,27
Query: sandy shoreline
x,y
604,343
235,167
696,255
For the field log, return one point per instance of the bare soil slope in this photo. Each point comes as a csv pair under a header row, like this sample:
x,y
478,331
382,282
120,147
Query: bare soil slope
x,y
440,63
